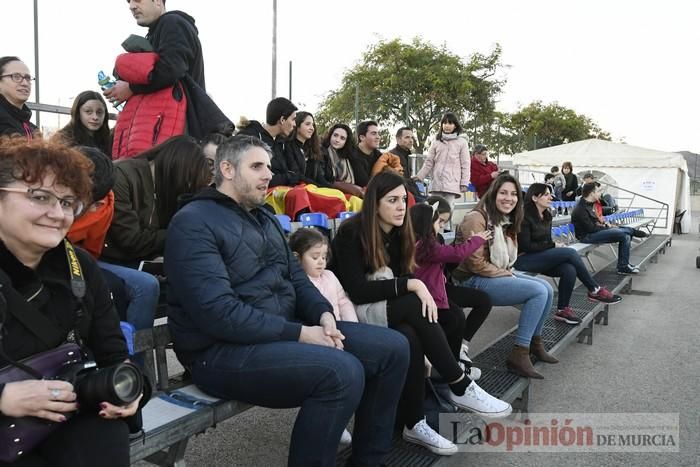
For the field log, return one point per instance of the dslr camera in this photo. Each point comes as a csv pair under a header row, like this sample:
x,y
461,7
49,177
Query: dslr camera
x,y
119,384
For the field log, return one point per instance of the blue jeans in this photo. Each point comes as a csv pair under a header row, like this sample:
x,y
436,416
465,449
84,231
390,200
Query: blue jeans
x,y
143,290
558,262
328,384
534,293
621,236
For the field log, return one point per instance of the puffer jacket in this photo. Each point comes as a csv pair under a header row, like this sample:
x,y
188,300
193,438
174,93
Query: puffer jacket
x,y
447,165
233,279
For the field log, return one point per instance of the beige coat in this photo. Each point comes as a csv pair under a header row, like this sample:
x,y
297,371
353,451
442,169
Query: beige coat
x,y
479,262
448,166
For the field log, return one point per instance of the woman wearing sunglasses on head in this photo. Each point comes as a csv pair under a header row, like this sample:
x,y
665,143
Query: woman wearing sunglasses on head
x,y
15,88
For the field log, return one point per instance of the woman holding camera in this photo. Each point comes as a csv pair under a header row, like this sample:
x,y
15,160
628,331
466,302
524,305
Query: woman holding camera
x,y
44,186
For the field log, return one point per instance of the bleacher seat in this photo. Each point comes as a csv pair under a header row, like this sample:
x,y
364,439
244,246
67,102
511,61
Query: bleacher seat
x,y
285,222
346,215
315,219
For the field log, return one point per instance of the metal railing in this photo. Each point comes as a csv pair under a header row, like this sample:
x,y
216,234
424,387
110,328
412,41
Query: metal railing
x,y
57,109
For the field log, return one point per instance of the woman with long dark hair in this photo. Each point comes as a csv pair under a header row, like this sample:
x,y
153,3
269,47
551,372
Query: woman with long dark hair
x,y
448,164
374,258
568,193
303,152
490,269
337,148
537,253
146,193
89,124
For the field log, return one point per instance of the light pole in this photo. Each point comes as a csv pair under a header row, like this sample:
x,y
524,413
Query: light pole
x,y
274,48
36,61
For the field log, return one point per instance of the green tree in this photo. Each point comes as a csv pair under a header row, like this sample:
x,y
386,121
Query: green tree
x,y
413,84
539,126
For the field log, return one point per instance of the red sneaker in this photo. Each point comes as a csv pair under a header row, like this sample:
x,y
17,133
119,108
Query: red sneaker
x,y
604,295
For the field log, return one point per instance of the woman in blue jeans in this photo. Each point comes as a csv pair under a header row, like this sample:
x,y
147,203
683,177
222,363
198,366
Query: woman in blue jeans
x,y
490,268
538,254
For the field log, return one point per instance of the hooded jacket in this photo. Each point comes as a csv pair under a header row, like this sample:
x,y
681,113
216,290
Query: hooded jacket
x,y
233,279
15,121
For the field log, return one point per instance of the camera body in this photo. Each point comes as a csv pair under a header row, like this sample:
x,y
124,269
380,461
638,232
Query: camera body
x,y
119,384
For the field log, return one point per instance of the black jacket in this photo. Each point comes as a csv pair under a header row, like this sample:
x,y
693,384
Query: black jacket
x,y
571,185
362,165
309,170
175,39
233,279
135,232
282,174
535,234
585,219
13,120
349,265
99,328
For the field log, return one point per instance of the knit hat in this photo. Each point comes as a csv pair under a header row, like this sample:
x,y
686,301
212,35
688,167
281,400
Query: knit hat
x,y
103,175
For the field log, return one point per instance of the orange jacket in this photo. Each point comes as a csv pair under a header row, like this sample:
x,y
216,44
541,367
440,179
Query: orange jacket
x,y
89,230
387,161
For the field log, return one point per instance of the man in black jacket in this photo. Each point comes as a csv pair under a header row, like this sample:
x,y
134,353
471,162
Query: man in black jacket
x,y
589,229
250,325
279,124
175,39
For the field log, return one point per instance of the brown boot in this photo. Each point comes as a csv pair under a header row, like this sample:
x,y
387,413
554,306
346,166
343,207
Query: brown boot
x,y
537,349
519,362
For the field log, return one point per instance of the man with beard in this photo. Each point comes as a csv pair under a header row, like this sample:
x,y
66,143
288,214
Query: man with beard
x,y
250,326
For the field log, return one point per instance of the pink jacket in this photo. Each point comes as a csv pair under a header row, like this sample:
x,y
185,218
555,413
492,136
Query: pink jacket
x,y
330,287
432,263
448,165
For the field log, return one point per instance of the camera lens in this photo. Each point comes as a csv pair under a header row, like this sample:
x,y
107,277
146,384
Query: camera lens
x,y
118,384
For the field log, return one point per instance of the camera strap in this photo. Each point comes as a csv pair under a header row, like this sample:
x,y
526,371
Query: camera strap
x,y
36,321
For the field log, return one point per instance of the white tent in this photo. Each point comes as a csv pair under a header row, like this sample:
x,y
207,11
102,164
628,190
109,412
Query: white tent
x,y
658,175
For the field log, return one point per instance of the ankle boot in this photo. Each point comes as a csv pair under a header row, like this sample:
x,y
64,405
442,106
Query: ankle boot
x,y
519,362
537,349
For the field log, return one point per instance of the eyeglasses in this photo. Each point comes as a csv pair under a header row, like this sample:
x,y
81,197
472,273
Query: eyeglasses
x,y
71,206
19,77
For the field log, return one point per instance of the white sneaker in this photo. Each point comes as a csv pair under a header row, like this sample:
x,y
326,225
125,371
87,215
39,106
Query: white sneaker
x,y
465,362
425,436
480,402
346,437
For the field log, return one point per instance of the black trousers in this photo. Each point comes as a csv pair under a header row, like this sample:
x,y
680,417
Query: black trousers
x,y
477,300
86,440
424,339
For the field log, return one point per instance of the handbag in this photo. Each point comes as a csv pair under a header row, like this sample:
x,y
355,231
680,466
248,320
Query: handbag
x,y
19,435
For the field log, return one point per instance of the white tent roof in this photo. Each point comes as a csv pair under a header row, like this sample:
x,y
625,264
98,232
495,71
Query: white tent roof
x,y
600,153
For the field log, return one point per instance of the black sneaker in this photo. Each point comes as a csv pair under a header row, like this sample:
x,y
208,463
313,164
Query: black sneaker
x,y
639,233
628,270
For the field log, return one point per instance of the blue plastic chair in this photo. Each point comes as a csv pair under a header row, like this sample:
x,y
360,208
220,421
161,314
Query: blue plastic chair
x,y
346,215
129,331
572,232
285,221
422,189
556,233
315,219
471,188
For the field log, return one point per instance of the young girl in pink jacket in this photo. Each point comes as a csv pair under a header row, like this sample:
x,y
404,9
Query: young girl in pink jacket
x,y
310,247
431,256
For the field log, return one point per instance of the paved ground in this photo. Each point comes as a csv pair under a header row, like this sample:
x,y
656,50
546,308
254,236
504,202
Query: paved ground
x,y
646,360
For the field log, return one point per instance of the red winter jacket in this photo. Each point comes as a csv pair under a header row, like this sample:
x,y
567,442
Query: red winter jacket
x,y
481,175
147,119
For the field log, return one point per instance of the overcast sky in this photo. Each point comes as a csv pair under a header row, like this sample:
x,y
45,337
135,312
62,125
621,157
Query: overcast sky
x,y
632,66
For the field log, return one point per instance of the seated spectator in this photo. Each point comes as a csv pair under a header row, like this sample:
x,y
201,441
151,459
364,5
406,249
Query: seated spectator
x,y
403,150
590,229
447,164
139,289
15,89
537,253
482,171
250,326
549,180
366,152
338,149
559,181
490,268
310,247
568,193
44,186
89,124
303,153
209,145
431,256
606,205
279,124
373,255
146,195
